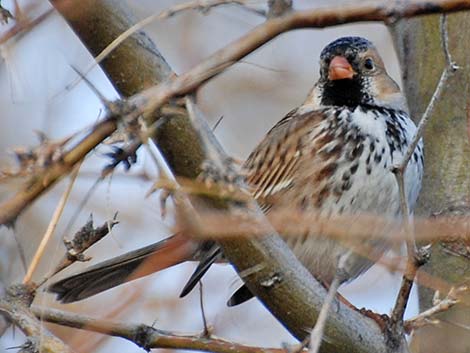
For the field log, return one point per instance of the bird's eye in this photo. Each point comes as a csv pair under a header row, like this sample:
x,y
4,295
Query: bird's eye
x,y
369,64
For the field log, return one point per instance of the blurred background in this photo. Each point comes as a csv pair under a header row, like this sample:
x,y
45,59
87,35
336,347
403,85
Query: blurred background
x,y
39,93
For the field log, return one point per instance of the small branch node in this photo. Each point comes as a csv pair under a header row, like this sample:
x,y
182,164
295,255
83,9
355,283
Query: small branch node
x,y
422,256
144,335
272,280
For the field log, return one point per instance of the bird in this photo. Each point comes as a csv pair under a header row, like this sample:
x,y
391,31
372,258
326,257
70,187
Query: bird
x,y
333,154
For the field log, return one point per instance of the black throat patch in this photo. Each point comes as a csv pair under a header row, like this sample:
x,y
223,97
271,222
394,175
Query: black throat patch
x,y
347,92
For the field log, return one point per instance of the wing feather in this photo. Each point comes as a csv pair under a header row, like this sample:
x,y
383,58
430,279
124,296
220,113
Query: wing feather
x,y
271,167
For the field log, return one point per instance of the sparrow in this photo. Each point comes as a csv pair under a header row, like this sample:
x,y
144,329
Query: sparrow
x,y
332,155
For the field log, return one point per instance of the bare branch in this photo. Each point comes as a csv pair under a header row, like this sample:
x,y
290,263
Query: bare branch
x,y
226,57
145,336
207,330
316,336
448,71
415,257
23,25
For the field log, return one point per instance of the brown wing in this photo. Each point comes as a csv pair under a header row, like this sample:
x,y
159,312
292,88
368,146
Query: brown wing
x,y
270,168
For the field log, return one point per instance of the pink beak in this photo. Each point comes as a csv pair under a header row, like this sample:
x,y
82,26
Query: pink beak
x,y
340,69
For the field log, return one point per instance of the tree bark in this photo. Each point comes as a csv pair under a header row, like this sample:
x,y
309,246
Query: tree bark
x,y
446,187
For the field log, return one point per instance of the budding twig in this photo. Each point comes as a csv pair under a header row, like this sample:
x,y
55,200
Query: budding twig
x,y
440,305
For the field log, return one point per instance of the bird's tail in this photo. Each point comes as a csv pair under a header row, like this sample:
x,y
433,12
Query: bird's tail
x,y
127,267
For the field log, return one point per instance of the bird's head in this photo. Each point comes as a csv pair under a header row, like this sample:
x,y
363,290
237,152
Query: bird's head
x,y
352,73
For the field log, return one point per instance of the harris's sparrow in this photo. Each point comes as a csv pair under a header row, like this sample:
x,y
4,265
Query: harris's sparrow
x,y
332,155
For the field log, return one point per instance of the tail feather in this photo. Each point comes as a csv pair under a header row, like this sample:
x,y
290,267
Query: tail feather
x,y
125,268
242,295
213,255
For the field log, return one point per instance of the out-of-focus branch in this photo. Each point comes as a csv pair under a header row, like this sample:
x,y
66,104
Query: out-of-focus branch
x,y
198,5
23,25
147,337
51,227
292,223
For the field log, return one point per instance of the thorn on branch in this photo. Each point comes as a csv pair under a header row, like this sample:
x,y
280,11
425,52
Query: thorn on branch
x,y
33,161
27,347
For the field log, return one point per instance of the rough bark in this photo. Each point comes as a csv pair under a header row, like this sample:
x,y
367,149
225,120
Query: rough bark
x,y
294,296
446,188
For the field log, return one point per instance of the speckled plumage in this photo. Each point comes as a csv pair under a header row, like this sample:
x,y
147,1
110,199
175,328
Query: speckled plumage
x,y
334,160
333,155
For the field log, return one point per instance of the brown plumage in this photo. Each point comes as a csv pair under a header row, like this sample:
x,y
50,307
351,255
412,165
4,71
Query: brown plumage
x,y
332,155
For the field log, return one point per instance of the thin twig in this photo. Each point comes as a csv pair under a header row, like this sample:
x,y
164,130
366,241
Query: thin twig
x,y
448,71
51,227
206,332
440,305
145,336
414,257
24,25
316,336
